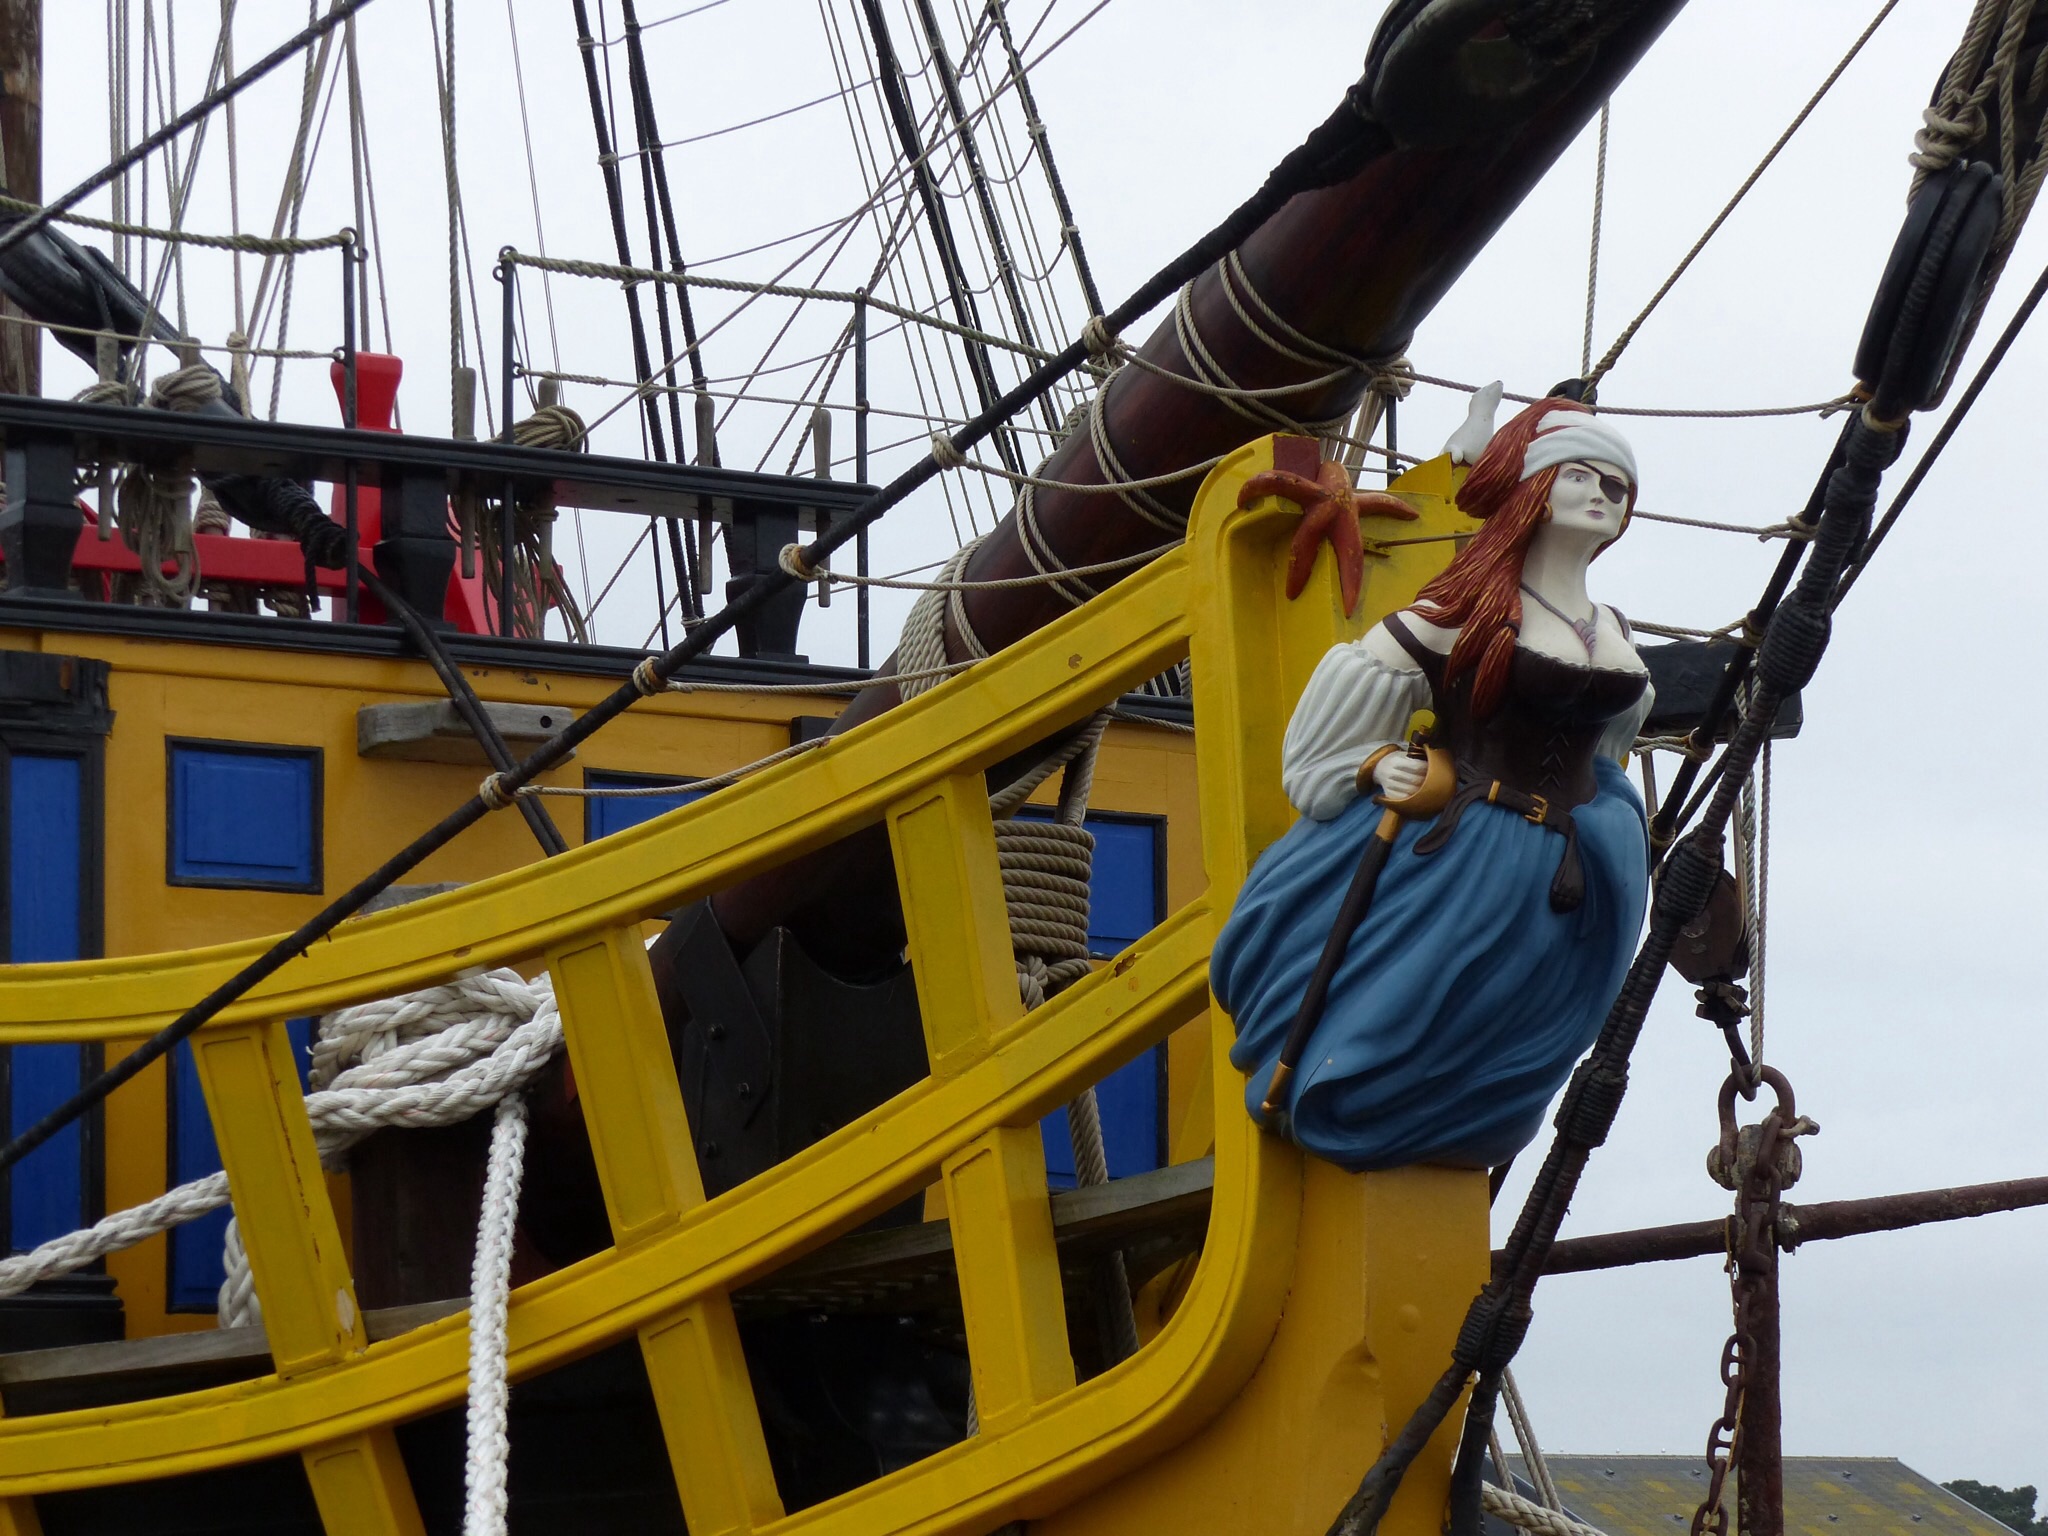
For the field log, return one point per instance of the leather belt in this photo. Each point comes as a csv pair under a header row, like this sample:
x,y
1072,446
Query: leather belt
x,y
1568,886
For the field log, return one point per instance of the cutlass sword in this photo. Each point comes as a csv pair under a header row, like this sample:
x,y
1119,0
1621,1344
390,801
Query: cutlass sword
x,y
1438,781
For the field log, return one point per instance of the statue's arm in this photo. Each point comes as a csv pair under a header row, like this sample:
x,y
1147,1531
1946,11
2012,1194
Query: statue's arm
x,y
1361,697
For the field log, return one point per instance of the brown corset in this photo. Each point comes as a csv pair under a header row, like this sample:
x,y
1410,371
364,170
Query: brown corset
x,y
1541,736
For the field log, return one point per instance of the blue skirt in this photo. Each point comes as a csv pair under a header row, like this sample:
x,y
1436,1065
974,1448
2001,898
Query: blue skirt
x,y
1463,999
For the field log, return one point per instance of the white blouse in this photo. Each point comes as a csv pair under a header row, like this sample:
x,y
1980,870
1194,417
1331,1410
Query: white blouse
x,y
1354,703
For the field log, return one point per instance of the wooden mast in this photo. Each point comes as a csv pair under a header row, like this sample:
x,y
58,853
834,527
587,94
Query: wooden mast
x,y
21,169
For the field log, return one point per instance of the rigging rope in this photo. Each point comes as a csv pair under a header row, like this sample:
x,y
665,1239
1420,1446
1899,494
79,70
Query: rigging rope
x,y
1593,256
1628,334
1957,122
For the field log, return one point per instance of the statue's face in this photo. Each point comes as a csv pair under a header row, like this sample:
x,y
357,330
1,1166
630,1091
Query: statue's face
x,y
1589,497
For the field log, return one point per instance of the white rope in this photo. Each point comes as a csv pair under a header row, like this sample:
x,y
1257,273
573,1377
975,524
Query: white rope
x,y
1052,577
237,243
1759,788
153,507
696,279
1676,413
1593,245
1525,1437
431,1058
952,458
490,1285
886,680
1524,1515
1789,529
1687,631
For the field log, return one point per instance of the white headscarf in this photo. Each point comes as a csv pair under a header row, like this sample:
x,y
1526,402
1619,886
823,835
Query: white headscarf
x,y
1578,439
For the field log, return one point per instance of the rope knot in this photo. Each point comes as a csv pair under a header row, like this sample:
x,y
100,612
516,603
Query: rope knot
x,y
791,559
106,392
552,426
186,389
946,453
1099,339
493,792
1944,137
646,680
1393,379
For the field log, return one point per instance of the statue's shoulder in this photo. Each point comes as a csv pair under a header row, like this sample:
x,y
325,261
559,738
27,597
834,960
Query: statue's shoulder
x,y
1406,639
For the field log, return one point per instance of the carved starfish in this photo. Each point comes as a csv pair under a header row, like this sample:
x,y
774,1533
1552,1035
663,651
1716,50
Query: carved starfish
x,y
1330,510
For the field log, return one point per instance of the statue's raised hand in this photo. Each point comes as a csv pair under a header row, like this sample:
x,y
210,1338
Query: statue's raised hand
x,y
1331,510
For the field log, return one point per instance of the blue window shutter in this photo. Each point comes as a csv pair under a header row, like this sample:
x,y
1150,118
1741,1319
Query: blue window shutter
x,y
196,1272
244,816
45,892
601,818
1123,906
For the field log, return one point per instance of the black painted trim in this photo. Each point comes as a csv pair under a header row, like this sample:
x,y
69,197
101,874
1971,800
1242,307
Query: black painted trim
x,y
318,637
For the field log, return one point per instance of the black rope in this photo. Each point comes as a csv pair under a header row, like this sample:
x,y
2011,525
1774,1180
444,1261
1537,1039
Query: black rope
x,y
1954,420
977,175
889,75
1070,232
1334,151
661,228
1499,1317
1785,661
615,201
177,125
467,705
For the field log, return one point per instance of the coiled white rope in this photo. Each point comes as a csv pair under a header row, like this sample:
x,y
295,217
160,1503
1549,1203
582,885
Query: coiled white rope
x,y
430,1058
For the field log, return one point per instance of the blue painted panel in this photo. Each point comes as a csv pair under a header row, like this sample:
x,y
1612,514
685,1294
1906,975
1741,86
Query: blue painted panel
x,y
1123,905
195,1248
1128,1101
244,817
604,817
45,877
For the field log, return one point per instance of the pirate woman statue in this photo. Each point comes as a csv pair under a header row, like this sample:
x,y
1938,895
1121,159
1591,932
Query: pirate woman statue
x,y
1499,929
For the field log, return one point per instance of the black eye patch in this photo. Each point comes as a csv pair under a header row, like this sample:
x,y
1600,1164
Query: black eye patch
x,y
1613,487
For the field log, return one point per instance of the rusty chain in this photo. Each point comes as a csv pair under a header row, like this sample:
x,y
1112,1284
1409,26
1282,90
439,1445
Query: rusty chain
x,y
1759,1163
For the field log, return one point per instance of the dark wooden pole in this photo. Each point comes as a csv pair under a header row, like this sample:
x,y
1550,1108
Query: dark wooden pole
x,y
21,167
1797,1224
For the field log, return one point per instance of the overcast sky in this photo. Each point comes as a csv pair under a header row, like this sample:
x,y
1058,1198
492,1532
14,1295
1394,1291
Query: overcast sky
x,y
1909,896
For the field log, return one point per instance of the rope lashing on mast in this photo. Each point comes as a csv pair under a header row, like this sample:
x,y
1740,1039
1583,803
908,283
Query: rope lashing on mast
x,y
1942,282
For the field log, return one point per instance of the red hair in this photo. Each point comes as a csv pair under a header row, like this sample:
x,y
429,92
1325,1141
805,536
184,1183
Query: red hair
x,y
1480,592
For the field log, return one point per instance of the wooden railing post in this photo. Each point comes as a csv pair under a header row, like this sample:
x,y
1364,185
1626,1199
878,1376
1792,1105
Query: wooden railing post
x,y
301,1276
640,1136
959,944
